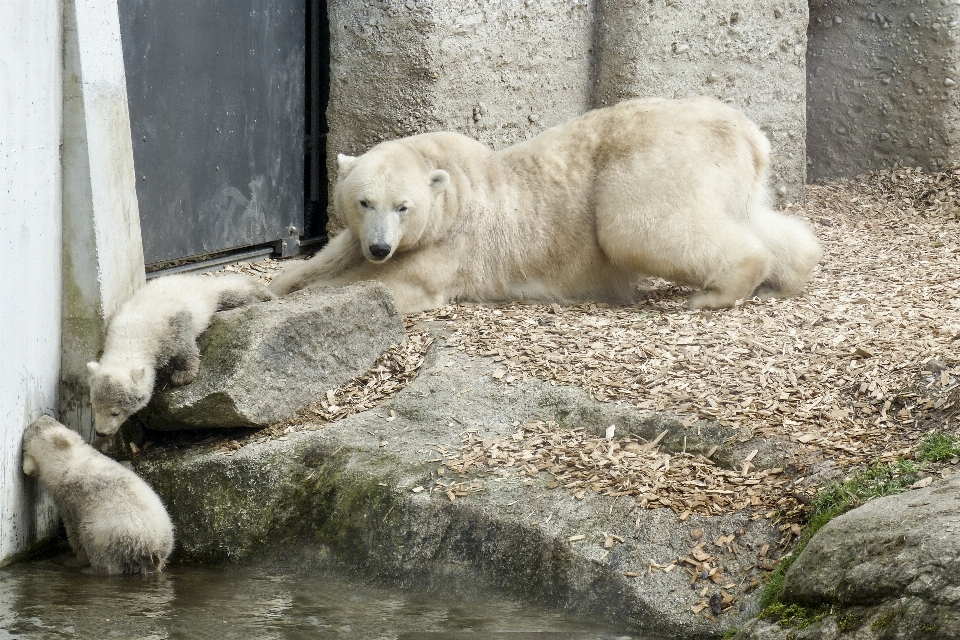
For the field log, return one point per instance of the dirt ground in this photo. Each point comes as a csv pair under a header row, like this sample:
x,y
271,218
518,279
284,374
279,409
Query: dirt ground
x,y
853,371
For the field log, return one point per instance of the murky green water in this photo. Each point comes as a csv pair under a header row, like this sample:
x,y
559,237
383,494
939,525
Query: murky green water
x,y
47,600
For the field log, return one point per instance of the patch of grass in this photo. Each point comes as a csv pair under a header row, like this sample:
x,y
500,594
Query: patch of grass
x,y
882,479
730,633
937,446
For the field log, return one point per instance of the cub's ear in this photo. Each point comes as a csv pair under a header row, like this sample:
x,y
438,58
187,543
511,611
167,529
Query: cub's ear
x,y
345,163
137,374
93,367
29,465
61,441
439,179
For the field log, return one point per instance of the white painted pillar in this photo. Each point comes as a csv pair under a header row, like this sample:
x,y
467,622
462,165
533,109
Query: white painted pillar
x,y
102,249
30,239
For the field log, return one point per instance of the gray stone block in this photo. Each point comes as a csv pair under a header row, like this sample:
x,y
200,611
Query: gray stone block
x,y
883,86
262,363
749,54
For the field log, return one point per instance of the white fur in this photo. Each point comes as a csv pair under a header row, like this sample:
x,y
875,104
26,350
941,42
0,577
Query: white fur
x,y
157,327
115,522
670,188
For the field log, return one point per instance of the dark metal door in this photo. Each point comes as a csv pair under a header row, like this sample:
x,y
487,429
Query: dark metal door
x,y
216,96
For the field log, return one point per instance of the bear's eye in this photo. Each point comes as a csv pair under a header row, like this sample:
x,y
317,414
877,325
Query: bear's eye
x,y
115,413
402,208
364,204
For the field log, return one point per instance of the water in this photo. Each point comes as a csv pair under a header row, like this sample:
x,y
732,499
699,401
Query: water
x,y
42,600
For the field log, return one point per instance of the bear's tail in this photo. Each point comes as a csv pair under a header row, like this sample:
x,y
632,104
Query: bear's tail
x,y
795,249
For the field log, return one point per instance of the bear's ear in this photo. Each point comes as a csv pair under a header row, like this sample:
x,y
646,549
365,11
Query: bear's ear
x,y
345,163
61,441
137,374
439,179
29,464
93,367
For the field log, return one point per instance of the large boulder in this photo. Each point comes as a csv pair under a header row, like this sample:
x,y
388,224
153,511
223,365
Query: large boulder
x,y
262,363
889,569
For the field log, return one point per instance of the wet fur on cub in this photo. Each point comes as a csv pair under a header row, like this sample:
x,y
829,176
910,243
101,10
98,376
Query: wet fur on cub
x,y
115,522
156,328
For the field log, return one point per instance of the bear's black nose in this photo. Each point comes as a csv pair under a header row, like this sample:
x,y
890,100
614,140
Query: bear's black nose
x,y
379,251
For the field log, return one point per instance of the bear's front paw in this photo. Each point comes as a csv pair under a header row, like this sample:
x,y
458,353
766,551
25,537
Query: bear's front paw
x,y
180,377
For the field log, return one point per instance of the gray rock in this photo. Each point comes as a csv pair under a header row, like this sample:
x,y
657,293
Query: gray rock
x,y
262,363
343,497
889,569
902,545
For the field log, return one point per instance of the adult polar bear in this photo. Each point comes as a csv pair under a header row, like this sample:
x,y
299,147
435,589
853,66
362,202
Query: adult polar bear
x,y
669,188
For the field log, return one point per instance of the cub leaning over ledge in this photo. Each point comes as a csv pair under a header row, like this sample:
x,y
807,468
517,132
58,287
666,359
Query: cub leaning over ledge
x,y
155,328
670,188
115,522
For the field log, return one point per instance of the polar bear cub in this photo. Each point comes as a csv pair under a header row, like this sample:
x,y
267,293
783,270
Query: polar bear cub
x,y
115,522
158,327
583,211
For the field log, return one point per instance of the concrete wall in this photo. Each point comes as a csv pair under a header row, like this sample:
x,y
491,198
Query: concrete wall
x,y
504,70
30,201
70,246
500,71
102,250
748,53
883,85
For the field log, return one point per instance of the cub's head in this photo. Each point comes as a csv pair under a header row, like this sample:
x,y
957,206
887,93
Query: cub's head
x,y
47,441
116,394
387,197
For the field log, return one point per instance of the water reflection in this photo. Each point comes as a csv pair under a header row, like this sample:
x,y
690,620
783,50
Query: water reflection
x,y
43,600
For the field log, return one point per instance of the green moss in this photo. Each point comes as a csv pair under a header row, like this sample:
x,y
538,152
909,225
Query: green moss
x,y
848,621
48,546
881,622
793,615
730,633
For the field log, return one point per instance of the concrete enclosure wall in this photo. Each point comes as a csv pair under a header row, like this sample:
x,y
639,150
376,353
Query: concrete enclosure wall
x,y
30,200
882,85
503,71
498,71
750,54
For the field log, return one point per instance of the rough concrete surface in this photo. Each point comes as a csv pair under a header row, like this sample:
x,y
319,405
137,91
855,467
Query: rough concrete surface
x,y
882,86
264,362
889,569
500,72
749,54
344,496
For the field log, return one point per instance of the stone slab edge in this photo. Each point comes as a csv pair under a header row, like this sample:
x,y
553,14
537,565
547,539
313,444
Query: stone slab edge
x,y
343,497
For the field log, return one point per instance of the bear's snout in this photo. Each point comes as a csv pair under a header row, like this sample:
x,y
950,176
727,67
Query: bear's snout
x,y
379,251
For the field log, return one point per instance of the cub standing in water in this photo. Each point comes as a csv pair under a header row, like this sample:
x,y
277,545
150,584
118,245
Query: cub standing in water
x,y
115,522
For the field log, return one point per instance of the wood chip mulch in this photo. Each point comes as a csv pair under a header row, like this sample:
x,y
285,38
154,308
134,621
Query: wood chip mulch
x,y
855,368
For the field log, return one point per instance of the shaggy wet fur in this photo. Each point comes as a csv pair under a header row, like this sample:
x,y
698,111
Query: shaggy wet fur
x,y
157,328
669,188
115,522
